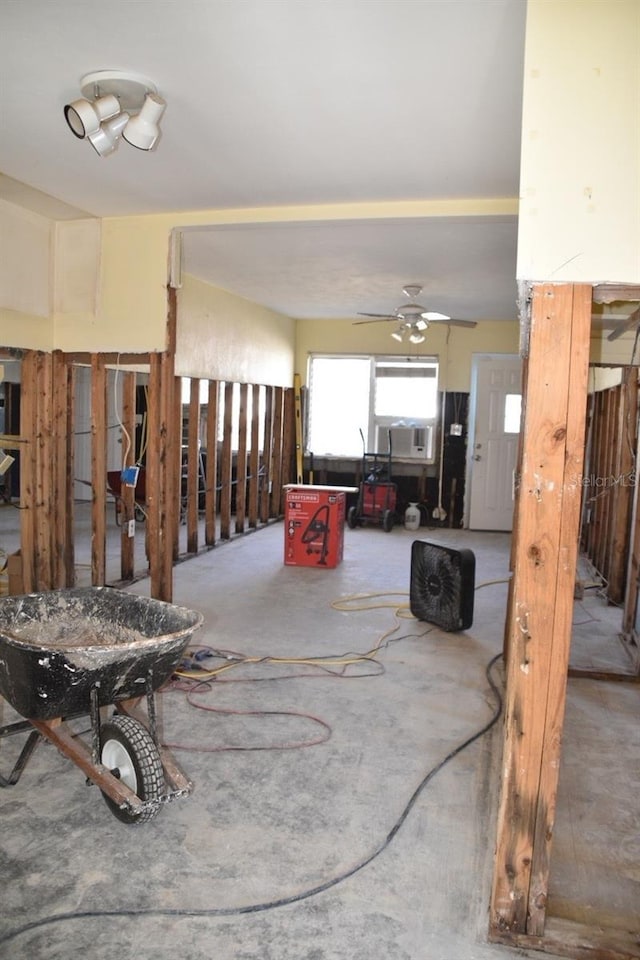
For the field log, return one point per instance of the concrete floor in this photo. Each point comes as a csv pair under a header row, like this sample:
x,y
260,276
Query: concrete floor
x,y
269,822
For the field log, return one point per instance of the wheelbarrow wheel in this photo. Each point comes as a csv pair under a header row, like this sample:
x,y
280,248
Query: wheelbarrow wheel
x,y
129,752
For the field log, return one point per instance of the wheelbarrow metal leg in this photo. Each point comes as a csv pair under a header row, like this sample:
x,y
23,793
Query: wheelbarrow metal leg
x,y
23,759
96,746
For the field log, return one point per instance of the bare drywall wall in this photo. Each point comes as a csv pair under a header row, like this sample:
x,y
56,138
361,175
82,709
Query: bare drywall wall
x,y
25,267
223,337
580,190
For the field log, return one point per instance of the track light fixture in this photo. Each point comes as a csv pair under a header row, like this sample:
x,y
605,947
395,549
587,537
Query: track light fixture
x,y
116,105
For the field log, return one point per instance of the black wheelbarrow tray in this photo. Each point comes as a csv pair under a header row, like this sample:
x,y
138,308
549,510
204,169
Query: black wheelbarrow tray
x,y
69,653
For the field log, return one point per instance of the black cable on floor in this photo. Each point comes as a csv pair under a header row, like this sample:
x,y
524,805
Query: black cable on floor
x,y
295,898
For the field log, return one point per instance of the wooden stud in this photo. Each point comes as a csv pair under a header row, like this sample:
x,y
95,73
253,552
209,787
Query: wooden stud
x,y
211,473
627,442
153,476
160,460
98,470
69,545
241,461
193,466
176,493
28,512
125,508
276,453
225,464
610,292
566,938
267,443
62,462
542,604
288,443
109,359
44,473
254,459
168,504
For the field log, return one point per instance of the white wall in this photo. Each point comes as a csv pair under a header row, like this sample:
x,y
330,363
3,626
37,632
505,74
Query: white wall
x,y
580,175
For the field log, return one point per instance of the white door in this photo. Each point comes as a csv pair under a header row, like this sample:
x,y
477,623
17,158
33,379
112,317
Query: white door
x,y
495,430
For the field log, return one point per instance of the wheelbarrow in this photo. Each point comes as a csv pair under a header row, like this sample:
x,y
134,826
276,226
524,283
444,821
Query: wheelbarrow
x,y
71,653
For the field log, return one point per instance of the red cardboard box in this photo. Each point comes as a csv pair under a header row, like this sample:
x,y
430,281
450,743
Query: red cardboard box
x,y
314,525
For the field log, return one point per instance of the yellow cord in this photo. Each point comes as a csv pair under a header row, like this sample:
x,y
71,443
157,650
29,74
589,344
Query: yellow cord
x,y
345,605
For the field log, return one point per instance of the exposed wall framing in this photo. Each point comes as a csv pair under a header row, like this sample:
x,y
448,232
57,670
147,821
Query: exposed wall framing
x,y
188,474
46,468
609,481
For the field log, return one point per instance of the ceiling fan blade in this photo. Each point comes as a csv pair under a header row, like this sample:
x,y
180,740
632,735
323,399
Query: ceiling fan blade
x,y
380,316
457,323
433,315
628,324
379,320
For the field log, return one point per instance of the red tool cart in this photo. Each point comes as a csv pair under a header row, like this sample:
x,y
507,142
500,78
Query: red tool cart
x,y
314,524
377,493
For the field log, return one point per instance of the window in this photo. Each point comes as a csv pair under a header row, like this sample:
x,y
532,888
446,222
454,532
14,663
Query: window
x,y
512,410
356,400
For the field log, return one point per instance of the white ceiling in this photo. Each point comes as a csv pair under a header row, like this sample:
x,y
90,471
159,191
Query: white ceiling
x,y
290,102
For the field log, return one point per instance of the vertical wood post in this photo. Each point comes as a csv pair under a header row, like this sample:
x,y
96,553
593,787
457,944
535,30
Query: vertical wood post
x,y
276,453
241,461
98,470
44,473
168,503
176,469
127,502
265,492
627,438
153,473
225,464
193,466
211,481
254,458
28,512
541,604
62,460
288,442
160,462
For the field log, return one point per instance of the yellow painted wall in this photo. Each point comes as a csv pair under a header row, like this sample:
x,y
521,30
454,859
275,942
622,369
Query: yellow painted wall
x,y
343,336
614,351
221,336
26,243
580,171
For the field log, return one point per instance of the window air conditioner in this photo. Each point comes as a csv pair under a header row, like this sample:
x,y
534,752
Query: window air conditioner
x,y
407,442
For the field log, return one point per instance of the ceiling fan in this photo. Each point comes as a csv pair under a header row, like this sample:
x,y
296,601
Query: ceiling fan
x,y
412,318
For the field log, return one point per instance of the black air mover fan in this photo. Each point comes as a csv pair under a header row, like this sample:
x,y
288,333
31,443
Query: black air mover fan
x,y
442,585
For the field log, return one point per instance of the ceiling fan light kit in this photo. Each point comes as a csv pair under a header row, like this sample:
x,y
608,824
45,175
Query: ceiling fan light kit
x,y
413,317
116,105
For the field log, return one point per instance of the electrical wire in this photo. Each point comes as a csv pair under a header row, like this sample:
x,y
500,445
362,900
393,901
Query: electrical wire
x,y
330,661
267,905
198,677
250,713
